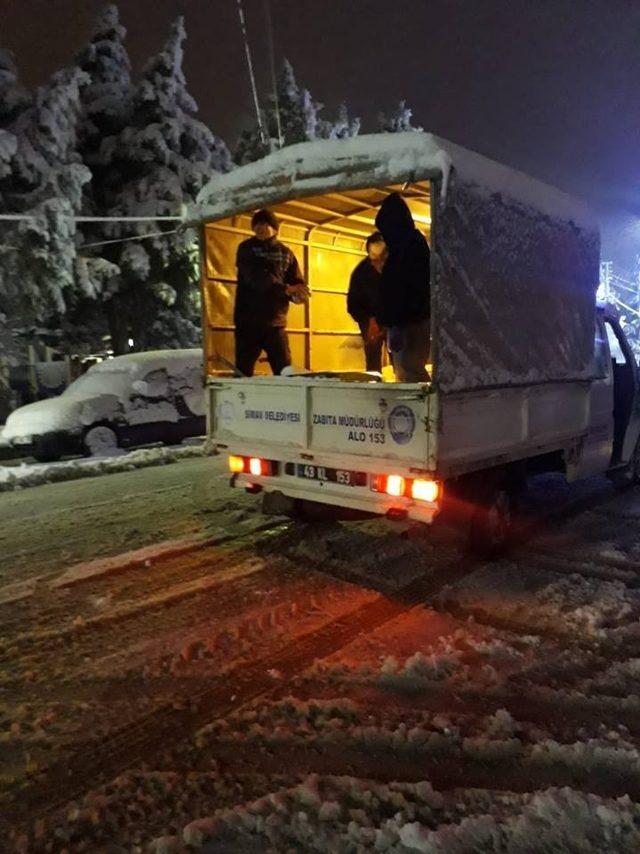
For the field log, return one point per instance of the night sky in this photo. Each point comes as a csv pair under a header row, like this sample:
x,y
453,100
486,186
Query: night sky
x,y
549,86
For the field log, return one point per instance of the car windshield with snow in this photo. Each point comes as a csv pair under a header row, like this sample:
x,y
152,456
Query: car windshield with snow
x,y
130,400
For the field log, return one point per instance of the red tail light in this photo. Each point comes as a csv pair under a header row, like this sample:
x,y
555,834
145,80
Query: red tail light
x,y
420,489
425,490
390,484
396,485
257,467
253,465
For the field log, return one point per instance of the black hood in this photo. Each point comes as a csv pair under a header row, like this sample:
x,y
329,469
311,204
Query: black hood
x,y
394,220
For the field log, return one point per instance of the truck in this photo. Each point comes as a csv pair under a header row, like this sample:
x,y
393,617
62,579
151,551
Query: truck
x,y
527,373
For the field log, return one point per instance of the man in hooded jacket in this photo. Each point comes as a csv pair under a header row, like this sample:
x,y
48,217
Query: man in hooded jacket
x,y
405,290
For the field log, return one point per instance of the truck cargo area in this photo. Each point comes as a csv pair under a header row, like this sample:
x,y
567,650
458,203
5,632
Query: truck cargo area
x,y
330,409
327,234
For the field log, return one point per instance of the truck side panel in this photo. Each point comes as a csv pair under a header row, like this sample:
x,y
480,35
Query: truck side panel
x,y
510,424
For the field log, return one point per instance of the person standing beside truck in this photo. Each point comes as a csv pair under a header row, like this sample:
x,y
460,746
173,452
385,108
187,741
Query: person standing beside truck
x,y
405,290
363,298
269,278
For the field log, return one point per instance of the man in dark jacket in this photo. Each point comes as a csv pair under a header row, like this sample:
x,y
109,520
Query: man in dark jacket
x,y
405,290
269,278
363,299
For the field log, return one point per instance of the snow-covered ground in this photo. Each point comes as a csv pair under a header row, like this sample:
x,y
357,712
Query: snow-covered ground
x,y
28,474
258,685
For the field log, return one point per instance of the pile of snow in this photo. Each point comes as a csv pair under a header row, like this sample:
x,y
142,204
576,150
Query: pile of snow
x,y
23,476
539,600
348,814
595,756
418,669
620,679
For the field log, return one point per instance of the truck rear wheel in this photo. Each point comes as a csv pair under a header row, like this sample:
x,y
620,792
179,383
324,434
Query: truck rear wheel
x,y
491,531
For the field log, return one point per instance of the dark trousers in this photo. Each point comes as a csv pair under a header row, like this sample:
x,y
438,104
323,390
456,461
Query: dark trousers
x,y
251,341
372,348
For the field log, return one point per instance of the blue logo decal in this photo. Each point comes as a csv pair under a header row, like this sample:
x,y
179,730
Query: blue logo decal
x,y
226,411
402,424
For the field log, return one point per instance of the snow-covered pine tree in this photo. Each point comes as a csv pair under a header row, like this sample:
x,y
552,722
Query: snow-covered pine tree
x,y
292,116
106,100
342,128
295,106
14,98
155,165
250,147
106,110
44,182
397,121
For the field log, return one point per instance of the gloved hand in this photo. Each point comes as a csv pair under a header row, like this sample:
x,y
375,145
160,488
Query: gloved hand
x,y
298,293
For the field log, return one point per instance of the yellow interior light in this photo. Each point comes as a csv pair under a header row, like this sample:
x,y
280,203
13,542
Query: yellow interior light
x,y
236,465
425,490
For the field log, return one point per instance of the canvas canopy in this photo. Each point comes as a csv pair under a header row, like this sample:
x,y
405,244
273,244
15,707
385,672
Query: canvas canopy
x,y
515,262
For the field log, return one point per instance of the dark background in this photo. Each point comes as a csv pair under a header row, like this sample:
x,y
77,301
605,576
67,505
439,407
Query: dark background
x,y
548,86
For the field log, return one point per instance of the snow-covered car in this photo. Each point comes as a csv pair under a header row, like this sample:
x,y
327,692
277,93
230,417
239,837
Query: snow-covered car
x,y
130,400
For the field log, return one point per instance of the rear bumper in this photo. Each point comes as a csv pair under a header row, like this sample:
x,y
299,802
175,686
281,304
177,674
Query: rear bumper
x,y
352,497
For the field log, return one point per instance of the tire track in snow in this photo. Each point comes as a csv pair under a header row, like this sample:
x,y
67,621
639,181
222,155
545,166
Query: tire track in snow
x,y
445,771
221,550
92,763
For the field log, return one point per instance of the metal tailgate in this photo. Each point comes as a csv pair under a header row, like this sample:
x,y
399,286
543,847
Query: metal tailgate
x,y
382,420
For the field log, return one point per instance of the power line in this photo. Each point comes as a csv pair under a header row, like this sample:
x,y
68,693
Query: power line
x,y
128,239
272,63
128,218
252,78
15,217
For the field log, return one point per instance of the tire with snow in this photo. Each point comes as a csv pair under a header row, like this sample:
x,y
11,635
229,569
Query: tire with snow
x,y
101,441
492,523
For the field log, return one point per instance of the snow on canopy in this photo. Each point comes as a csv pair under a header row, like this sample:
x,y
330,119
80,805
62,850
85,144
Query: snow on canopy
x,y
374,160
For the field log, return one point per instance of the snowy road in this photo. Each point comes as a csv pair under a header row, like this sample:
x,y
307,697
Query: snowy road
x,y
267,686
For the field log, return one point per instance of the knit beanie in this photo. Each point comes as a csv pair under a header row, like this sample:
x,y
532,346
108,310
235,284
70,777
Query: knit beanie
x,y
265,216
